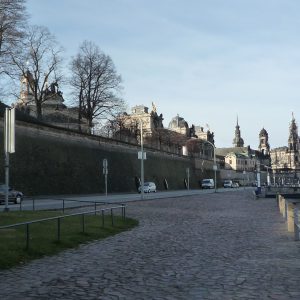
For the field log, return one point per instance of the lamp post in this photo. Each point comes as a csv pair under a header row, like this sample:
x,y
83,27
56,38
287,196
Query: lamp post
x,y
268,175
215,164
244,175
142,160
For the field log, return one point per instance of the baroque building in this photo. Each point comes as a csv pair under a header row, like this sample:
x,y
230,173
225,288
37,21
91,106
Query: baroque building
x,y
241,158
178,138
54,111
287,157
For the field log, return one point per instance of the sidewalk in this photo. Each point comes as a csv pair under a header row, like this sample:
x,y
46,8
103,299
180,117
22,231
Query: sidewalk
x,y
210,246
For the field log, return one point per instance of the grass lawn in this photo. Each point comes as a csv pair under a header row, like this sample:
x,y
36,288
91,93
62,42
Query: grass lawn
x,y
43,238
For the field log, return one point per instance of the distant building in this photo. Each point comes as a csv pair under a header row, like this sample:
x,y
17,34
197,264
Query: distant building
x,y
240,158
178,138
287,157
240,161
54,111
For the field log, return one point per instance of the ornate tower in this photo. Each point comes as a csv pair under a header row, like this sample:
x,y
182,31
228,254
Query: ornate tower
x,y
293,143
238,141
264,146
293,136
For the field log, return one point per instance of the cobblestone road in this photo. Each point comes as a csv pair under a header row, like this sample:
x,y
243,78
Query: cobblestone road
x,y
213,246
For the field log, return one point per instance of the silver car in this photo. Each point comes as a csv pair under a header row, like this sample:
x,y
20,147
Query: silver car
x,y
13,195
148,187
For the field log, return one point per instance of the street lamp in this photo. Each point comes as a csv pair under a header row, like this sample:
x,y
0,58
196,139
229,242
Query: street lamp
x,y
215,164
142,160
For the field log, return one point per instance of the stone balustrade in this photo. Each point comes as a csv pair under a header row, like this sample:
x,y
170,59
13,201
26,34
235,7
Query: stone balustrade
x,y
289,208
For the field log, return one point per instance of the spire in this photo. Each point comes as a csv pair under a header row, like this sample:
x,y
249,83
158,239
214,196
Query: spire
x,y
238,141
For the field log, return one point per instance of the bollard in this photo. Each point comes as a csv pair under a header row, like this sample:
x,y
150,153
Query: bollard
x,y
296,224
290,217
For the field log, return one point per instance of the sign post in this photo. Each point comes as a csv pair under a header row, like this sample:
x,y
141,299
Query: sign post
x,y
188,177
9,146
105,172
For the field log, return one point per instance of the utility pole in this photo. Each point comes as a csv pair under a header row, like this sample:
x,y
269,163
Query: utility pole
x,y
9,146
105,172
142,156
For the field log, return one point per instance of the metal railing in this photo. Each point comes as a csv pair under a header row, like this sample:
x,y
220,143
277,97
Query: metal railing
x,y
63,203
58,220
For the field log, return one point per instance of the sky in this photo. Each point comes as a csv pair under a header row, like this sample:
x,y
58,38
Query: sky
x,y
207,60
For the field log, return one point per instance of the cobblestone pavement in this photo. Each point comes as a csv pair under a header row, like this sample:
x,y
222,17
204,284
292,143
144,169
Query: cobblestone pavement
x,y
213,246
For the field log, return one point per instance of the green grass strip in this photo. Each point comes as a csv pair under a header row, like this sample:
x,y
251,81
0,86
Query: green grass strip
x,y
43,237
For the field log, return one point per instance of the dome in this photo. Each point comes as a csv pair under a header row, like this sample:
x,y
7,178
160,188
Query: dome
x,y
263,132
178,122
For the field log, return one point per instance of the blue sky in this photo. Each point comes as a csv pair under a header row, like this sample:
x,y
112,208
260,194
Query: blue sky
x,y
207,61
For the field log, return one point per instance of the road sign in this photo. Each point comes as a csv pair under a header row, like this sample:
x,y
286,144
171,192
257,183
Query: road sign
x,y
140,155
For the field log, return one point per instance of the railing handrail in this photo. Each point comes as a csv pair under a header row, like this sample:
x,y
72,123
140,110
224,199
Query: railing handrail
x,y
60,199
60,217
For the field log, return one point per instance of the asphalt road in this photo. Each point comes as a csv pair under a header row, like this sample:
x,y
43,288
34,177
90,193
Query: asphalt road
x,y
68,201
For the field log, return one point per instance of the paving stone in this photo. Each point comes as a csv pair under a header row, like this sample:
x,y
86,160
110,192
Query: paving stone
x,y
212,246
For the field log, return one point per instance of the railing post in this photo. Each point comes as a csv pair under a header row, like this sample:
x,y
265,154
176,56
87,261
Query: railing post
x,y
102,213
33,204
63,206
21,205
83,229
112,217
58,229
27,236
123,211
95,208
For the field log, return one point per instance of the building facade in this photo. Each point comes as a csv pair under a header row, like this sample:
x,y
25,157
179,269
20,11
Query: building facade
x,y
286,158
54,111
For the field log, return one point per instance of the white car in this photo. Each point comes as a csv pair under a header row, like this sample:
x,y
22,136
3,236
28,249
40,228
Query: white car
x,y
228,184
208,184
148,187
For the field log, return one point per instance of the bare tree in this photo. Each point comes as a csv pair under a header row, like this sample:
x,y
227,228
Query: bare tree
x,y
95,83
13,21
39,63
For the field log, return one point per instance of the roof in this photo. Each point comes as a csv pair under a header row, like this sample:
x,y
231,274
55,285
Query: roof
x,y
224,151
238,155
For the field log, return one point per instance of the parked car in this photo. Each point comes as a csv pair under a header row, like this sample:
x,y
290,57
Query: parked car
x,y
148,187
228,184
13,195
207,184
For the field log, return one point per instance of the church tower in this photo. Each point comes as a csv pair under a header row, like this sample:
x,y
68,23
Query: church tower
x,y
293,141
264,146
238,141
